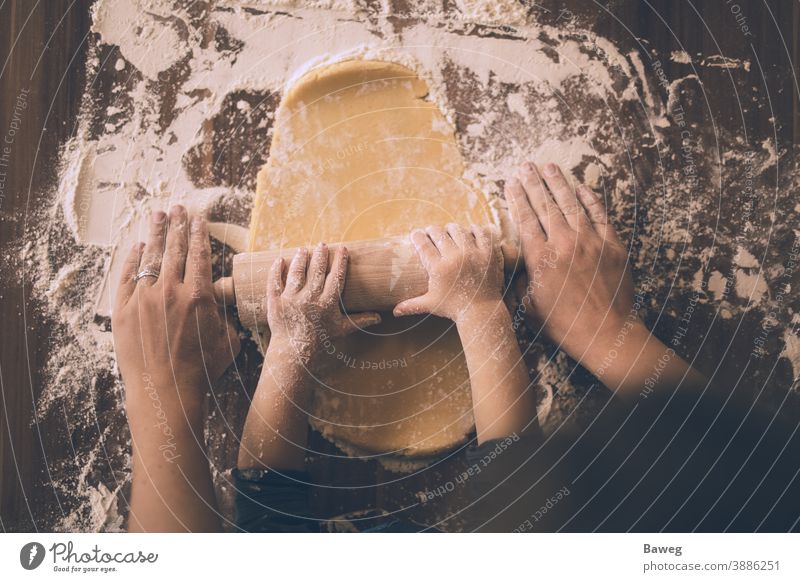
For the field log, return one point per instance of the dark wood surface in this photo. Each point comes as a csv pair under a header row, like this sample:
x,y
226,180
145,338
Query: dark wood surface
x,y
42,46
42,49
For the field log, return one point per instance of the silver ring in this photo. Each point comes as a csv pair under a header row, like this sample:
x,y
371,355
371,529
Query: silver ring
x,y
148,272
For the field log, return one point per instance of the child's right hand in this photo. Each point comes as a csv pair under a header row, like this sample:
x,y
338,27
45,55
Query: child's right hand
x,y
303,313
465,271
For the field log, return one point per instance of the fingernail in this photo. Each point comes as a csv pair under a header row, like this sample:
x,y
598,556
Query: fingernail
x,y
550,169
177,214
159,216
197,222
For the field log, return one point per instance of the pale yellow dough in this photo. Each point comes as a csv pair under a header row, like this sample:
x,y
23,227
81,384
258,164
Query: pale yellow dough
x,y
359,153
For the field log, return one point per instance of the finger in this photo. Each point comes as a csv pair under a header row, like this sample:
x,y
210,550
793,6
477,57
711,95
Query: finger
x,y
441,239
177,245
486,242
427,251
483,236
531,233
550,216
317,269
596,211
357,321
460,235
414,306
565,197
334,283
198,263
275,278
274,289
297,270
154,249
126,283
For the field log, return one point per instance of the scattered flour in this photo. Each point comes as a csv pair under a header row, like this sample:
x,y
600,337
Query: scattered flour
x,y
722,62
190,85
680,57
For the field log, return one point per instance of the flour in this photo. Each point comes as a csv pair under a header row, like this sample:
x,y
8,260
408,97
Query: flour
x,y
723,62
791,348
680,57
501,11
151,35
111,182
191,87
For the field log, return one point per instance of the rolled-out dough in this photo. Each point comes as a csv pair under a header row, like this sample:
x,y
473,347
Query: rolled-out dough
x,y
359,153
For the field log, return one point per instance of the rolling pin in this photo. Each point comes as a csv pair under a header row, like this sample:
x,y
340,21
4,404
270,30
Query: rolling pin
x,y
380,274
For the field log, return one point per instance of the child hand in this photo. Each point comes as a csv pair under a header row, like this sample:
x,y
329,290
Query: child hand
x,y
465,271
303,313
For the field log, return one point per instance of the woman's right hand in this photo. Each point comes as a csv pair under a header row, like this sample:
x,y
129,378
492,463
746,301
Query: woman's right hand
x,y
579,288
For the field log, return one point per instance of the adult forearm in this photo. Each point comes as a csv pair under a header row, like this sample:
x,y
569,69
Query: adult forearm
x,y
504,401
172,489
634,363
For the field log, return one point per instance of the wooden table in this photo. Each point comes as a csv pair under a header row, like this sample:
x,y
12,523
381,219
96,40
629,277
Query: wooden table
x,y
43,57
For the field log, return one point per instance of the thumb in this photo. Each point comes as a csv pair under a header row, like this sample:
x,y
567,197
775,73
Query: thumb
x,y
413,306
230,329
356,321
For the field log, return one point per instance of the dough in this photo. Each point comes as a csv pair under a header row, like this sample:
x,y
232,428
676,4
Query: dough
x,y
359,153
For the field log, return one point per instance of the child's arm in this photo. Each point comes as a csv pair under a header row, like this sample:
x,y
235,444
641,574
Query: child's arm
x,y
465,271
302,312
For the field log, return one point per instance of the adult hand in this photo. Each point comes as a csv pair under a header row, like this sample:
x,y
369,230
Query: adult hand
x,y
579,287
580,290
171,339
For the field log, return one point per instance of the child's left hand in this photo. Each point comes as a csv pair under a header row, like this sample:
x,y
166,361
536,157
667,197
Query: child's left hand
x,y
304,312
465,271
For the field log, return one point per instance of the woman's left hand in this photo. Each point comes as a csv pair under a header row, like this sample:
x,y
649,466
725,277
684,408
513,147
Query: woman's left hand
x,y
171,339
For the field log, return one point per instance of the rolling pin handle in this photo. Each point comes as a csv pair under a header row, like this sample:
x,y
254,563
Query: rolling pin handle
x,y
224,292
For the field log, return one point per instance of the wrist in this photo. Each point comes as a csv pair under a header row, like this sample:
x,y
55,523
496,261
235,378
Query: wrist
x,y
615,349
288,360
297,350
482,310
155,400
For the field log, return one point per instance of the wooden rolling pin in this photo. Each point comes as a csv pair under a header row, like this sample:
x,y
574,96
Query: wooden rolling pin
x,y
381,273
